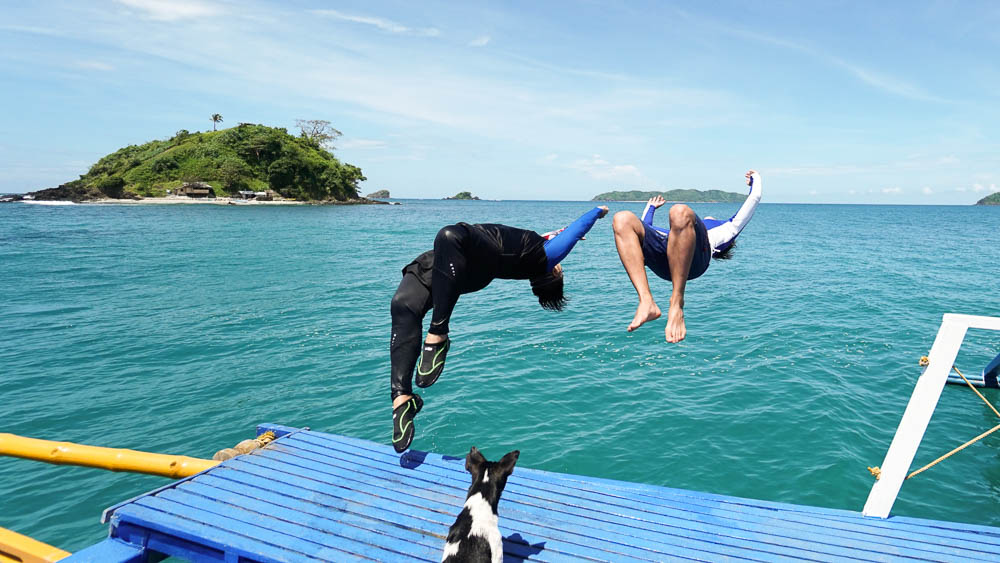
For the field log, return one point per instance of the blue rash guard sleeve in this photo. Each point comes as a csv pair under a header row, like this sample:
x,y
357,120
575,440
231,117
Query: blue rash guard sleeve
x,y
559,247
647,214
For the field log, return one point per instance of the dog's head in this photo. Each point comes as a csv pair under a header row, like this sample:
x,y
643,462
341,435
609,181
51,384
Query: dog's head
x,y
489,477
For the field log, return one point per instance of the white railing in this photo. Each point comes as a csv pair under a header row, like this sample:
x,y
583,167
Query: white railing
x,y
920,408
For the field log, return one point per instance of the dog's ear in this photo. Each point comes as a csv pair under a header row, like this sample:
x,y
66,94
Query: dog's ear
x,y
474,461
506,463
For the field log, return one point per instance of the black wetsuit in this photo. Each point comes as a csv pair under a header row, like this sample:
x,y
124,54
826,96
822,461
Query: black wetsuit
x,y
466,258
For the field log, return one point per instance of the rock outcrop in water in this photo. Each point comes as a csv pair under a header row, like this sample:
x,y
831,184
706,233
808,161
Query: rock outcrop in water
x,y
380,194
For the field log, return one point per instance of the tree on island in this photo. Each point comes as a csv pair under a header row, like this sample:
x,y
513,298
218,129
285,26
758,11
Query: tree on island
x,y
216,118
690,196
245,157
318,131
463,195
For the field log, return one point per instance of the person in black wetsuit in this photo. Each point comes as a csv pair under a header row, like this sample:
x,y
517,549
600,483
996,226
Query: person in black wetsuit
x,y
466,258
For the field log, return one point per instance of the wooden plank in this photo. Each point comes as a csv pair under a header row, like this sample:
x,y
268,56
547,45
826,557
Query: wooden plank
x,y
316,496
331,510
199,532
820,527
111,550
278,524
269,544
578,541
642,531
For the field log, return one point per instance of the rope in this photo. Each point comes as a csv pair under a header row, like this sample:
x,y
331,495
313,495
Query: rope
x,y
973,387
956,450
924,362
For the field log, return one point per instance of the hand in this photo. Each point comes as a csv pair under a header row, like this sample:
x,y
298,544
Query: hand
x,y
657,201
748,174
604,211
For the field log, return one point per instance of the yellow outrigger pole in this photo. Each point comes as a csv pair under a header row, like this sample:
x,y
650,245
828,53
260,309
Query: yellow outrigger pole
x,y
112,459
15,548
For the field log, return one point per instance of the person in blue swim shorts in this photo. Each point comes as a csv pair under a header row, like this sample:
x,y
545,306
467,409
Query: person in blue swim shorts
x,y
680,253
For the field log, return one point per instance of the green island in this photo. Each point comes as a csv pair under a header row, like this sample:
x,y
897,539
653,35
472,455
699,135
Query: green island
x,y
463,195
992,199
379,194
234,162
696,196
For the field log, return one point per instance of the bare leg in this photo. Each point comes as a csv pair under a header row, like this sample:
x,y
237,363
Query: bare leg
x,y
680,252
628,238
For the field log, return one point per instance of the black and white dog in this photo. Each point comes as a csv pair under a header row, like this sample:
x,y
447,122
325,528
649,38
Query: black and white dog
x,y
475,536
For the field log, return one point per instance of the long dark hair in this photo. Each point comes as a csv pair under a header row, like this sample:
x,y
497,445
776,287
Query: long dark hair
x,y
727,253
549,291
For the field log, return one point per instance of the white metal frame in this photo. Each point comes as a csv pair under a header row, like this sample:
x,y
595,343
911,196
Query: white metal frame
x,y
920,408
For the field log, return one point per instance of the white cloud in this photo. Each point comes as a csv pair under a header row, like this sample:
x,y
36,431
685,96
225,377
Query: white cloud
x,y
981,188
480,41
885,82
600,169
961,189
381,23
927,190
813,192
892,190
882,81
172,10
94,65
361,144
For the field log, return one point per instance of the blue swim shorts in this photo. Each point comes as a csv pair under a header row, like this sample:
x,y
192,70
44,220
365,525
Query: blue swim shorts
x,y
654,250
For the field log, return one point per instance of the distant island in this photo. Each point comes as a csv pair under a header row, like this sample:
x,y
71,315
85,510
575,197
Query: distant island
x,y
245,162
463,195
696,196
992,199
380,194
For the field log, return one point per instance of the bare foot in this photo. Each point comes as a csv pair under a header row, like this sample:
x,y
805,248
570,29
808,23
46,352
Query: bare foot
x,y
645,312
400,400
675,331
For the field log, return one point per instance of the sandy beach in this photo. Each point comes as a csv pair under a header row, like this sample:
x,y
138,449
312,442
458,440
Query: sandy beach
x,y
184,200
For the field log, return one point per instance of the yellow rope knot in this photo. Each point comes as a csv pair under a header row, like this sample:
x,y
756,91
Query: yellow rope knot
x,y
876,472
924,361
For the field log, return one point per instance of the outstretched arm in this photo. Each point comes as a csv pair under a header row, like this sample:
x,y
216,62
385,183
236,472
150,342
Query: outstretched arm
x,y
558,247
721,235
743,216
651,206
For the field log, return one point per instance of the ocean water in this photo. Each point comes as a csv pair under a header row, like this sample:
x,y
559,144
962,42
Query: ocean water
x,y
177,329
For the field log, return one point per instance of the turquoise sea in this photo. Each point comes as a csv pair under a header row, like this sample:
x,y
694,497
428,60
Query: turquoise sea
x,y
176,329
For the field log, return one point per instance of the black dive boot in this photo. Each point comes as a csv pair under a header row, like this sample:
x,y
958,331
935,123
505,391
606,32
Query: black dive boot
x,y
431,362
402,423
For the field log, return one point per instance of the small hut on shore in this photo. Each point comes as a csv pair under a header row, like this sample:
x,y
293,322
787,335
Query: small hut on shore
x,y
196,189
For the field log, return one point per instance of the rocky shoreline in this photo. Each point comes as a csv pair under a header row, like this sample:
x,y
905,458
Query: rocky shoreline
x,y
181,200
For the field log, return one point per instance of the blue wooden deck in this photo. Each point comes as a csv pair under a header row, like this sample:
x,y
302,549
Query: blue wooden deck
x,y
311,496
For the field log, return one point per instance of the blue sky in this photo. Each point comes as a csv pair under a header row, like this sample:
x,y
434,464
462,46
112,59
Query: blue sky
x,y
834,102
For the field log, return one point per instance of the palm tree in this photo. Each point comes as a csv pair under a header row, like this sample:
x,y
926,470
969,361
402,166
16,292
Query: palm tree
x,y
216,118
